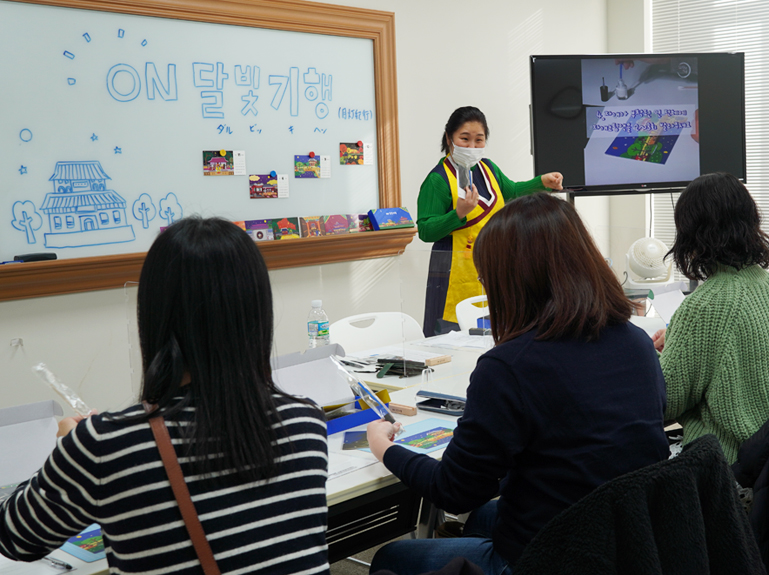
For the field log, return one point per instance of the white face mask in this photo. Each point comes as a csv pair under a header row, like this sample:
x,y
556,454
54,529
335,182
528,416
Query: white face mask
x,y
467,157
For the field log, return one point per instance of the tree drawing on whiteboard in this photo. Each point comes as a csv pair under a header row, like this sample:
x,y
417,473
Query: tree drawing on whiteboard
x,y
144,210
26,219
170,210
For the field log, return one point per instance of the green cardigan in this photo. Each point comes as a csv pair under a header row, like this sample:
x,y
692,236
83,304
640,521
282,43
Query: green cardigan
x,y
436,218
716,358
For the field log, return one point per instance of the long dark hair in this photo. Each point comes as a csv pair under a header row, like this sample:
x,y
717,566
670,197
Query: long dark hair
x,y
541,270
717,222
459,117
205,308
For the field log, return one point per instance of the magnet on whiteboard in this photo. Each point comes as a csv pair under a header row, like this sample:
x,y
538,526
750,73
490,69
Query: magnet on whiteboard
x,y
360,144
273,174
312,154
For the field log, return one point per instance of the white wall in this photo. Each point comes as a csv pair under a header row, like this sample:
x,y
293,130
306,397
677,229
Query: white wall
x,y
450,53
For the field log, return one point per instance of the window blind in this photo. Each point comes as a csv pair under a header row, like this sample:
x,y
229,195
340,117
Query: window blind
x,y
721,26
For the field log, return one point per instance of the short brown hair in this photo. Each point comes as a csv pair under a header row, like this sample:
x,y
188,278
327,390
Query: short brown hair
x,y
542,270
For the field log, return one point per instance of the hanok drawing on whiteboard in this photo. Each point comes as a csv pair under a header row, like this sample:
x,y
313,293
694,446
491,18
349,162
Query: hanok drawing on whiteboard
x,y
81,211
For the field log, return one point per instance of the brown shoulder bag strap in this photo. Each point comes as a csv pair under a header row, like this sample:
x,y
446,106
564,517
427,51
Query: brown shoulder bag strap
x,y
182,494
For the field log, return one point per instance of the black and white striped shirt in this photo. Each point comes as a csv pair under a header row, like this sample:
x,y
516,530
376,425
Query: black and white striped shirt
x,y
110,472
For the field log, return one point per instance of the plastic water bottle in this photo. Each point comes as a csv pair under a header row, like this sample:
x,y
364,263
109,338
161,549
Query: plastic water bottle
x,y
317,325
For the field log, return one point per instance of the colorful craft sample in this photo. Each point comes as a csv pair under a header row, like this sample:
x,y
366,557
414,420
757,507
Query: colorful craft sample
x,y
312,226
218,163
262,186
351,153
428,439
653,149
259,230
306,167
285,228
359,223
336,224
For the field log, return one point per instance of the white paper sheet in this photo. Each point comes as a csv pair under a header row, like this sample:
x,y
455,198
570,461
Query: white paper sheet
x,y
340,464
319,380
665,304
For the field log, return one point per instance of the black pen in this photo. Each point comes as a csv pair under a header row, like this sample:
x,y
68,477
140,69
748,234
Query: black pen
x,y
58,563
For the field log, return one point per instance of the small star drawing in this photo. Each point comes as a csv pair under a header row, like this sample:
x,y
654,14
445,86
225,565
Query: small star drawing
x,y
118,150
23,170
94,138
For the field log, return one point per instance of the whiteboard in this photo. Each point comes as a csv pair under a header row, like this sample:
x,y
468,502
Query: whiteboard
x,y
105,119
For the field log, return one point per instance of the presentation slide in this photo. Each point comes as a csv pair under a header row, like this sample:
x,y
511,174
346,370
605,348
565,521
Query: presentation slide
x,y
641,120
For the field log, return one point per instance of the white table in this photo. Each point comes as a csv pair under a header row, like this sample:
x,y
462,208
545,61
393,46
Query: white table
x,y
370,505
8,567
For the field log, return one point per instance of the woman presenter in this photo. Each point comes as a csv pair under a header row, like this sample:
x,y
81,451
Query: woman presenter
x,y
455,201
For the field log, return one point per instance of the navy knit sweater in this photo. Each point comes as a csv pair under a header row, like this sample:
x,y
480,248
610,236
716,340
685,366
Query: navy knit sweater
x,y
546,422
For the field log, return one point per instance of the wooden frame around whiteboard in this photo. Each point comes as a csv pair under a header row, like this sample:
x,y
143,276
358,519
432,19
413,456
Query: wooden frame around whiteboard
x,y
95,273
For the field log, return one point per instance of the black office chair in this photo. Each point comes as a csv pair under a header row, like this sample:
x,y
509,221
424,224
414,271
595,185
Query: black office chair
x,y
678,516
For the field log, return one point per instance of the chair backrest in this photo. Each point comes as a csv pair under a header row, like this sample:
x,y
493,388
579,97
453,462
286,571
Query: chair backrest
x,y
468,313
371,330
681,515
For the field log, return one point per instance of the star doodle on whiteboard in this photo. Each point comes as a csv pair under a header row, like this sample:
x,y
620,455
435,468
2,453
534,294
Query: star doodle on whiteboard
x,y
23,170
118,150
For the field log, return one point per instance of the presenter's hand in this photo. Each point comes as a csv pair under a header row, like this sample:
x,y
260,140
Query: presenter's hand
x,y
67,424
380,436
659,339
553,180
467,204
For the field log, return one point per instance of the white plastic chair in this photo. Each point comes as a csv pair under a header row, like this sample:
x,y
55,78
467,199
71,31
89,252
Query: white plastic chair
x,y
372,330
468,313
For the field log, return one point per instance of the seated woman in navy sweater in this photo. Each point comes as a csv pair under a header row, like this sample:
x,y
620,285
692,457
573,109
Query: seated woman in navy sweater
x,y
570,397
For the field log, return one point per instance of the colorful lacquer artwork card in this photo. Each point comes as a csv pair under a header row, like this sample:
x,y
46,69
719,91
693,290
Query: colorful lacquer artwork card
x,y
262,186
306,167
88,546
285,228
218,163
312,226
351,153
428,435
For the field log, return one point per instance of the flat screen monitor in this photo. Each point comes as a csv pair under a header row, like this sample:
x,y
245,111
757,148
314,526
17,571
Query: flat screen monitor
x,y
638,122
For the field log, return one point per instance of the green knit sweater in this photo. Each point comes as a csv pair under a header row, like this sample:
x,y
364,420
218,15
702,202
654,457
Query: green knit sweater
x,y
716,358
436,218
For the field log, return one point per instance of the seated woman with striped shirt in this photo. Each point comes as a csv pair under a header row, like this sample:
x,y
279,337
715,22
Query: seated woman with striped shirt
x,y
253,458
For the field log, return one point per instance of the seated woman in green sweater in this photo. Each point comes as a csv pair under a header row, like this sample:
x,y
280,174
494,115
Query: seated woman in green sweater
x,y
715,354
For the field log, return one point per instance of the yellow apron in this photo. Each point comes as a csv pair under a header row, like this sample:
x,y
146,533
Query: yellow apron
x,y
463,278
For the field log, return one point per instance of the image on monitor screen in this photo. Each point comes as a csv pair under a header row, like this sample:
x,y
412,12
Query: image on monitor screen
x,y
641,120
637,122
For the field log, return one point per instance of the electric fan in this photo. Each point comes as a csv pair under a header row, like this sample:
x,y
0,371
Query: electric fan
x,y
646,265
